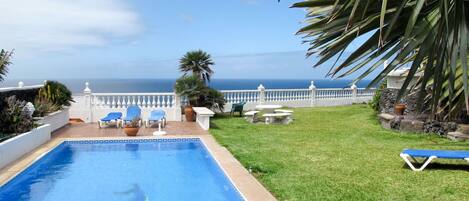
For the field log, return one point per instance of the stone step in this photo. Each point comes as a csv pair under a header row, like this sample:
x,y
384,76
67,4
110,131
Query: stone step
x,y
457,136
463,128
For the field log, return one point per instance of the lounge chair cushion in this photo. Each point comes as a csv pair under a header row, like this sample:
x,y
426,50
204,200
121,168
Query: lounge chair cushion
x,y
132,113
157,115
112,116
437,153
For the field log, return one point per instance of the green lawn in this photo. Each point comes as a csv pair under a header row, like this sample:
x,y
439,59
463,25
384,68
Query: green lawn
x,y
341,153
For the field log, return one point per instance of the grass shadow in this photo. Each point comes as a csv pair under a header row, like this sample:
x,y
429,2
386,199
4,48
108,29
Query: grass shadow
x,y
441,166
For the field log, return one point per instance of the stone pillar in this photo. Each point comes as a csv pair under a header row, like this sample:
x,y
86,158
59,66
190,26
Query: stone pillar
x,y
312,94
88,105
261,90
354,93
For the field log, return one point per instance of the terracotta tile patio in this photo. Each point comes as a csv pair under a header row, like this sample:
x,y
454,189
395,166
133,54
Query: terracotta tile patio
x,y
84,130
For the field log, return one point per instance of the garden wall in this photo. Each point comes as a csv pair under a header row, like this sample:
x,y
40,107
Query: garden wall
x,y
14,148
388,100
56,120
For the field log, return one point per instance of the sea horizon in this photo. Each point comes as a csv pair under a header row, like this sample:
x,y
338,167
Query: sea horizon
x,y
145,85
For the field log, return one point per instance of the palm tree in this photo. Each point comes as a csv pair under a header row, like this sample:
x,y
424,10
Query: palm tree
x,y
429,35
4,62
198,63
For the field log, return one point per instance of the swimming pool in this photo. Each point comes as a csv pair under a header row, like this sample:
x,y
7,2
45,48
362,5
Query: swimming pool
x,y
137,170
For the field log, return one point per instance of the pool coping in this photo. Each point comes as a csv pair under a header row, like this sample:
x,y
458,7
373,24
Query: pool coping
x,y
245,183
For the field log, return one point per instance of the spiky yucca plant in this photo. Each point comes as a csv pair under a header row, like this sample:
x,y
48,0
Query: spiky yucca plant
x,y
430,35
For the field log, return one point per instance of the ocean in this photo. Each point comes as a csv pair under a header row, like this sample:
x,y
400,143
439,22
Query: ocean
x,y
166,85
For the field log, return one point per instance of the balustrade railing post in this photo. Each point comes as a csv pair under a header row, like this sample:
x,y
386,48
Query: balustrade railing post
x,y
312,95
177,105
261,90
354,93
88,107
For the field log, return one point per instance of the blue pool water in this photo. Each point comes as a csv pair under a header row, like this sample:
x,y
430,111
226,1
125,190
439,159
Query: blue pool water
x,y
135,170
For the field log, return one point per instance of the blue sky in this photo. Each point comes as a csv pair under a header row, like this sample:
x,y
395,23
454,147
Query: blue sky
x,y
144,38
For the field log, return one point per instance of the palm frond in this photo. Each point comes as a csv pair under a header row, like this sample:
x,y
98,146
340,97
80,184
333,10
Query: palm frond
x,y
429,35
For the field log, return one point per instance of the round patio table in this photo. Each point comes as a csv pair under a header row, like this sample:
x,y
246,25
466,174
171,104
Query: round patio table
x,y
268,108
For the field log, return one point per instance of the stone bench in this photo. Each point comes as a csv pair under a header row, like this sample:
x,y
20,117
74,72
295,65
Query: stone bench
x,y
283,111
202,116
386,120
284,118
251,116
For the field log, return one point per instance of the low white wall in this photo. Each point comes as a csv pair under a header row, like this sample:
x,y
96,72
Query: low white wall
x,y
14,148
56,119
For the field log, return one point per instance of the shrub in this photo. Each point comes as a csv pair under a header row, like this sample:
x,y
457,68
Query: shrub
x,y
15,117
43,107
198,93
191,87
56,93
374,103
213,99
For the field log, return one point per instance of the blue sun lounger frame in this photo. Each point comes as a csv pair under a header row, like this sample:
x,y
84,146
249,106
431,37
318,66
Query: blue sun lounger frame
x,y
429,155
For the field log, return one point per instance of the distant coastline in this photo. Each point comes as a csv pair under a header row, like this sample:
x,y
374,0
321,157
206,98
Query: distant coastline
x,y
166,85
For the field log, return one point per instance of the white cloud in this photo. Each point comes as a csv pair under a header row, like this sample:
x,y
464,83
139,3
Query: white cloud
x,y
31,25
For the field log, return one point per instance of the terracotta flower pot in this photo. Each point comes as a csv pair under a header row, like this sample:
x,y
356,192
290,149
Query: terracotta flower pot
x,y
189,113
399,109
131,131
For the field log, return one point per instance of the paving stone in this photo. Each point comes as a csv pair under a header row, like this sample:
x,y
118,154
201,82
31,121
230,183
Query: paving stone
x,y
463,128
457,136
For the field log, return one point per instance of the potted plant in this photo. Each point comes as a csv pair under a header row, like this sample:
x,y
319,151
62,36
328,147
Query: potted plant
x,y
132,128
399,108
190,87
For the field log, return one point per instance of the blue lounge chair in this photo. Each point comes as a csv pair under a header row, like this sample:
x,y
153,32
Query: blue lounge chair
x,y
109,118
429,155
156,116
133,112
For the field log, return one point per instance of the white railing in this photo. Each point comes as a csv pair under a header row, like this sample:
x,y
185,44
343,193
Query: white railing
x,y
124,100
92,106
363,92
287,94
333,93
308,97
236,96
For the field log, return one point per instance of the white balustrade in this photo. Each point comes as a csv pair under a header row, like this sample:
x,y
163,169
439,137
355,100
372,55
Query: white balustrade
x,y
331,93
92,106
286,94
363,92
124,100
236,96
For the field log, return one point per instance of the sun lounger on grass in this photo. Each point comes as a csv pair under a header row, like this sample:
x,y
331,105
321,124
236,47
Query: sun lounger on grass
x,y
429,155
